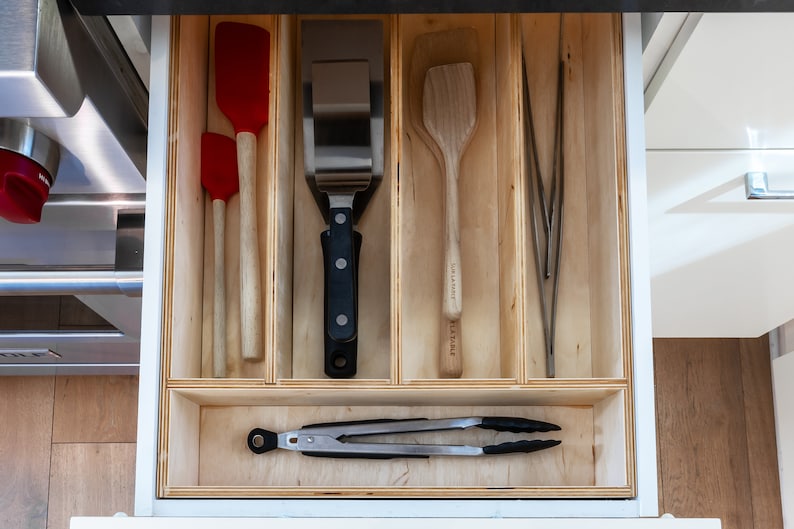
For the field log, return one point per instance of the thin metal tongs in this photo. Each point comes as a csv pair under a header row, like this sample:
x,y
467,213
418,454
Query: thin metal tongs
x,y
548,208
335,439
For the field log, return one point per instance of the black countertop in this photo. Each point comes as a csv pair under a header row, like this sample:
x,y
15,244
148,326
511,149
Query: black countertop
x,y
163,7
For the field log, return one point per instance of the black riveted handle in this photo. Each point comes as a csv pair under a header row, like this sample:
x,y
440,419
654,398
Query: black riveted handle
x,y
341,251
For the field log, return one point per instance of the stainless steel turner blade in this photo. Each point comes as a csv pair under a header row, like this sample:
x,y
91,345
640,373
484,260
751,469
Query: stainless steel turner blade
x,y
343,41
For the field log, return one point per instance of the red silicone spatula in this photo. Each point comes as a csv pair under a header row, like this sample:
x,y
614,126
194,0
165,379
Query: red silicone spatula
x,y
219,178
242,71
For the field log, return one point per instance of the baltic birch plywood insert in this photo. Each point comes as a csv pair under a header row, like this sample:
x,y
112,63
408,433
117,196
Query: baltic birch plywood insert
x,y
271,199
375,277
189,260
222,464
205,420
592,335
487,332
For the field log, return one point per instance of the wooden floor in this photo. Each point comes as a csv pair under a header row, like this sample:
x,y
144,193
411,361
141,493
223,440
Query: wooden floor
x,y
716,434
67,445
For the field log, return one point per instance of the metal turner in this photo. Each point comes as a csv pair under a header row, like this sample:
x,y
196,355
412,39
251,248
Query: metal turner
x,y
342,84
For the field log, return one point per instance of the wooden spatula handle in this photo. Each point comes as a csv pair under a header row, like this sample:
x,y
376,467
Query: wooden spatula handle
x,y
453,300
451,360
219,312
250,285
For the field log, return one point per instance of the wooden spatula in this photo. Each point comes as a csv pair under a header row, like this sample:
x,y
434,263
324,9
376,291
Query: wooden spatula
x,y
219,178
242,70
436,48
449,111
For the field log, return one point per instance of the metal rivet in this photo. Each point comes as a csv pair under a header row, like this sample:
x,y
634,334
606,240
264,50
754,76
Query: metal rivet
x,y
340,218
310,439
341,263
341,319
339,361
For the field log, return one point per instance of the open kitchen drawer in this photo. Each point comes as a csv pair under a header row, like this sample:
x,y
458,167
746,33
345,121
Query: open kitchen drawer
x,y
203,420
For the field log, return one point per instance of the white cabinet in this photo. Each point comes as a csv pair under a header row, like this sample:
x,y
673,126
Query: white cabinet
x,y
717,109
390,523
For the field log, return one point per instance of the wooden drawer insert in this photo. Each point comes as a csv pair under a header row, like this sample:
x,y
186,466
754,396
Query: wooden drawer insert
x,y
205,420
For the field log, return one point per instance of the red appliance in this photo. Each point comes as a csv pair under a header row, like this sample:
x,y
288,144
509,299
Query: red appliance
x,y
28,164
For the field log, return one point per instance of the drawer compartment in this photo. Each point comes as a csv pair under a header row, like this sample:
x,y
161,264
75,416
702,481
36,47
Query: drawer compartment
x,y
207,453
205,419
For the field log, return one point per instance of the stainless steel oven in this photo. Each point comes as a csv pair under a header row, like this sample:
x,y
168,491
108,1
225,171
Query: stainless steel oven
x,y
71,80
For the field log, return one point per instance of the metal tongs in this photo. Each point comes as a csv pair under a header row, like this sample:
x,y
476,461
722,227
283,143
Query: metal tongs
x,y
549,208
335,439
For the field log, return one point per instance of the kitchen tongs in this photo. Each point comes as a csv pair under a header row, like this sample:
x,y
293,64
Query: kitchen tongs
x,y
342,85
336,439
547,209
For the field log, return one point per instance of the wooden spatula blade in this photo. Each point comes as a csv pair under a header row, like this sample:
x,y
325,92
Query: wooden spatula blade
x,y
219,166
242,71
437,48
450,105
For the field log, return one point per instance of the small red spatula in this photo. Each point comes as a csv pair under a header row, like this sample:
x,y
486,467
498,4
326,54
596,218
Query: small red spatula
x,y
242,71
219,178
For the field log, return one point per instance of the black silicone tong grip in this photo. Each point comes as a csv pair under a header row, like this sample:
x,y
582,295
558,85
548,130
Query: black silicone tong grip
x,y
340,356
261,440
518,447
516,425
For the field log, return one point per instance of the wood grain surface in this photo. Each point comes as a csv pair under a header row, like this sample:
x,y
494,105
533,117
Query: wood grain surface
x,y
49,471
402,257
759,418
26,413
265,184
449,108
224,429
589,318
715,460
425,42
375,270
91,409
185,210
703,447
90,479
694,404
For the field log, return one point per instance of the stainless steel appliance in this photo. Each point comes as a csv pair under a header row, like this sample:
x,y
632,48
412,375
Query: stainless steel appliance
x,y
69,78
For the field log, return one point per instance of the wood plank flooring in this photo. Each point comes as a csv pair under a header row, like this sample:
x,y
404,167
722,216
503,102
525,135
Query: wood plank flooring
x,y
67,445
716,436
108,410
67,448
25,444
109,490
759,418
